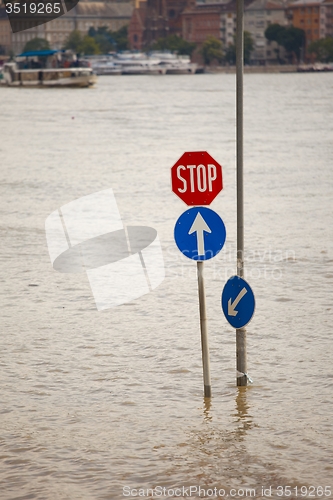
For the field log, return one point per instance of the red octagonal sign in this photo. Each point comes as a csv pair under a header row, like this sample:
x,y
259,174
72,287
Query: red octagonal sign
x,y
196,178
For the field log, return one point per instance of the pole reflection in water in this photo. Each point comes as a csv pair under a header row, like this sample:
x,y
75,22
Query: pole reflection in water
x,y
243,418
207,406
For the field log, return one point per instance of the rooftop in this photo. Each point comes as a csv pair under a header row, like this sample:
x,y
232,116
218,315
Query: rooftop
x,y
266,4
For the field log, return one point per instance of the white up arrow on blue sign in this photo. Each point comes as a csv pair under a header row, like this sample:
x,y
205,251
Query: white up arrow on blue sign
x,y
200,233
238,302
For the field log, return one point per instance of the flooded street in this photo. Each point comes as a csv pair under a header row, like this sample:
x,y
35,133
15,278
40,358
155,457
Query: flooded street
x,y
107,404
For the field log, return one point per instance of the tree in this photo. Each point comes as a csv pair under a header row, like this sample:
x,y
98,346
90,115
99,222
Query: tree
x,y
36,44
274,32
174,43
100,41
82,44
121,38
109,40
248,48
230,55
74,41
89,46
322,49
212,50
291,38
103,38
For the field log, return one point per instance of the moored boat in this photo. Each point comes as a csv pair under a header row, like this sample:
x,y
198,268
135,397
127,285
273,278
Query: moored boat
x,y
104,65
139,64
316,67
48,68
175,64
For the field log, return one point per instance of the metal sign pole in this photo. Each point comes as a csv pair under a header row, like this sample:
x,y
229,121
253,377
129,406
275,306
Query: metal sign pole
x,y
196,178
204,332
240,332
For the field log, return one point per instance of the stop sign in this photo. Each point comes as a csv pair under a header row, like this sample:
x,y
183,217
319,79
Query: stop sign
x,y
196,178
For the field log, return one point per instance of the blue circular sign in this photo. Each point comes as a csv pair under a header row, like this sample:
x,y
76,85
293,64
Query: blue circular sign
x,y
200,233
238,302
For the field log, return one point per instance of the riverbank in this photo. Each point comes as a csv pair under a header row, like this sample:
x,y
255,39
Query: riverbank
x,y
285,68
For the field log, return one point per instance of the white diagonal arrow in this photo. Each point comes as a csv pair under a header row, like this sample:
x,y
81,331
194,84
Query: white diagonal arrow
x,y
231,306
199,226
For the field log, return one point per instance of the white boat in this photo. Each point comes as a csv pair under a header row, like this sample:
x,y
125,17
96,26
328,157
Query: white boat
x,y
306,68
175,64
105,65
48,68
140,64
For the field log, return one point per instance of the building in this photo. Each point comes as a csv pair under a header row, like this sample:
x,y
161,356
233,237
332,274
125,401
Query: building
x,y
19,39
310,15
175,9
257,17
114,15
136,28
86,14
328,4
154,19
5,32
200,23
213,19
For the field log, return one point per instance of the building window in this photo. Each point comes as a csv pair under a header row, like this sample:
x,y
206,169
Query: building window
x,y
172,13
135,37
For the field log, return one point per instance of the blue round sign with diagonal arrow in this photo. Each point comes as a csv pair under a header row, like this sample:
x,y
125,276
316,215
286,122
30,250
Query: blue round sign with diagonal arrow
x,y
200,233
238,302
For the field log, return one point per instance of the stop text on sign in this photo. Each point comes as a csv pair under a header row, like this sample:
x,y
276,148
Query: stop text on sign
x,y
199,181
196,178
